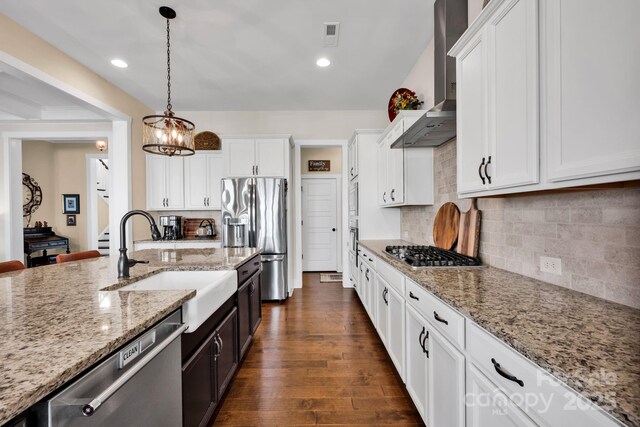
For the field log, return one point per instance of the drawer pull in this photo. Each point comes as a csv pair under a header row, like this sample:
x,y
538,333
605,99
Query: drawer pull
x,y
506,374
245,272
439,319
370,259
411,295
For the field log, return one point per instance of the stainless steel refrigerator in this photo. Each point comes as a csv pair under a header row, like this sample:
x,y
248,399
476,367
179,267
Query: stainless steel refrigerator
x,y
254,214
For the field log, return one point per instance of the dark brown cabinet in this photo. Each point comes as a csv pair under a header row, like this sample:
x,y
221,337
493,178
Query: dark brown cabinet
x,y
245,328
226,356
255,295
209,368
249,302
199,397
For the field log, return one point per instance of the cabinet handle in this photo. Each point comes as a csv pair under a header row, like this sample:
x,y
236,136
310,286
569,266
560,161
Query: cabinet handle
x,y
245,272
351,171
257,170
480,171
216,352
424,344
506,374
411,295
439,319
485,170
393,199
366,274
370,260
420,338
384,197
221,344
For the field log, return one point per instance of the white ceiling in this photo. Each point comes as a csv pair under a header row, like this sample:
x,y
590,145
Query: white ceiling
x,y
240,54
25,98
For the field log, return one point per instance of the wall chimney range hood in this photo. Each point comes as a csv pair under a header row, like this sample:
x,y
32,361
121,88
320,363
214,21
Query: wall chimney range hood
x,y
438,125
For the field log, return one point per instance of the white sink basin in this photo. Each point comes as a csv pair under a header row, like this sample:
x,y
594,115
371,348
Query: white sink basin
x,y
212,288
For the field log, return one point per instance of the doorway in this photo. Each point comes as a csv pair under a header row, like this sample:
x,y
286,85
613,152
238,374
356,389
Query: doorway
x,y
320,223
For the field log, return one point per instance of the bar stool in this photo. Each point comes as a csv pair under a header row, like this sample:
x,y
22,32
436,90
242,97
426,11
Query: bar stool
x,y
8,266
76,256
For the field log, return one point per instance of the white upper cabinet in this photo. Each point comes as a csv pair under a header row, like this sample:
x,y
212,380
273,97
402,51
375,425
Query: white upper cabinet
x,y
405,176
590,70
240,155
497,123
471,115
203,172
353,158
263,157
270,157
165,180
547,96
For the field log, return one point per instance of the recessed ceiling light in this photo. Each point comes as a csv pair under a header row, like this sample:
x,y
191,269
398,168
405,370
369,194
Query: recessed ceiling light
x,y
323,62
119,63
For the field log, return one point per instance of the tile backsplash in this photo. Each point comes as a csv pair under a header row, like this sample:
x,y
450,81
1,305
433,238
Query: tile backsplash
x,y
596,233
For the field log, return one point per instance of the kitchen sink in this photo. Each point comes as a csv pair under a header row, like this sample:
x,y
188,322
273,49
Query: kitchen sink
x,y
212,288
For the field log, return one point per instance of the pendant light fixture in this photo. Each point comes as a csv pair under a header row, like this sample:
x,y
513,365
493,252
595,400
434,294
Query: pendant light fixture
x,y
168,135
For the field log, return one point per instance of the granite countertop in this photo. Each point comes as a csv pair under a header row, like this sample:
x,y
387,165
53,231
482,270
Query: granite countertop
x,y
591,344
185,239
58,320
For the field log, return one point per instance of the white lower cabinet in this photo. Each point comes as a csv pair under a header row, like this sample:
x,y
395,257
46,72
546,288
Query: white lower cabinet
x,y
382,320
445,382
416,365
488,406
456,373
390,322
396,314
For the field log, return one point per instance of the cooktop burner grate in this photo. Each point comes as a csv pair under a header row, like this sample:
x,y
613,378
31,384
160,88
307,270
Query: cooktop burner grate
x,y
430,256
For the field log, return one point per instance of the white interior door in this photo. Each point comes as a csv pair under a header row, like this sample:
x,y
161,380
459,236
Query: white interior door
x,y
319,224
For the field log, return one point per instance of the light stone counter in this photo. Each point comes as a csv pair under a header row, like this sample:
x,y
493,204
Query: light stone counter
x,y
56,321
574,336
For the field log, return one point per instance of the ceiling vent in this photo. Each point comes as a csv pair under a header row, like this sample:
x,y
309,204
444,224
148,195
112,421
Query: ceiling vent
x,y
331,32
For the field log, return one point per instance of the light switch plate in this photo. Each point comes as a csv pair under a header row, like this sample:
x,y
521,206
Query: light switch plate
x,y
551,265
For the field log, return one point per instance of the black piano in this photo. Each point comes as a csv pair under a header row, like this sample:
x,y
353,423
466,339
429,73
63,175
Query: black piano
x,y
42,239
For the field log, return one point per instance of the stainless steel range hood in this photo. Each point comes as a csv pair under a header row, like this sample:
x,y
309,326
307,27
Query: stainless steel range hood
x,y
438,125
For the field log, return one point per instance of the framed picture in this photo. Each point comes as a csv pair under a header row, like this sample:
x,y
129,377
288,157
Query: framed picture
x,y
71,220
71,204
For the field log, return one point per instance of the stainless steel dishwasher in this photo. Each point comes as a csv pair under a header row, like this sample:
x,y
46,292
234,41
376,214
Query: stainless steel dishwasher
x,y
140,385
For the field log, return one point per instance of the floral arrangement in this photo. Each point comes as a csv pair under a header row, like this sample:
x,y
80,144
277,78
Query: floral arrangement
x,y
406,100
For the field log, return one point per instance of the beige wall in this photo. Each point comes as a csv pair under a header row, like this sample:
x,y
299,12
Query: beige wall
x,y
61,169
37,162
300,124
27,47
595,233
333,154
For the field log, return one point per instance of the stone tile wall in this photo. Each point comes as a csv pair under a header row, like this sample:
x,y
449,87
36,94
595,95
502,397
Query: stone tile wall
x,y
596,233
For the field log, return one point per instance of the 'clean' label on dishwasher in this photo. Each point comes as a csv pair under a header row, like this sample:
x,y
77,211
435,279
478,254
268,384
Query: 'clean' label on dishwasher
x,y
129,353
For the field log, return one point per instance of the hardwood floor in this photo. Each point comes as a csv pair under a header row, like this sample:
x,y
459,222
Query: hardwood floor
x,y
317,359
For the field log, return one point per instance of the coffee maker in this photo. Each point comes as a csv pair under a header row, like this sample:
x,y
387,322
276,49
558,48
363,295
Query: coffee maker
x,y
171,227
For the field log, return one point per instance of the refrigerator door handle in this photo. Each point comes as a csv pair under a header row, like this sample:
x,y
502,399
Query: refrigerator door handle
x,y
272,258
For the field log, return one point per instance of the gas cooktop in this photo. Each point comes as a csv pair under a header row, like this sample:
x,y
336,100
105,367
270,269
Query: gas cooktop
x,y
430,256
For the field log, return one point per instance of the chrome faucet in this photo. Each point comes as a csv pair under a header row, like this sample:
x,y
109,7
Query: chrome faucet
x,y
124,263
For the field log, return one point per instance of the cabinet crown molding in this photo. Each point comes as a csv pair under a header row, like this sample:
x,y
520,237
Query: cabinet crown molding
x,y
475,26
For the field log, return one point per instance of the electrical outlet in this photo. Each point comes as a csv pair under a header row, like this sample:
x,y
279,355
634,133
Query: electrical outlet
x,y
405,234
551,265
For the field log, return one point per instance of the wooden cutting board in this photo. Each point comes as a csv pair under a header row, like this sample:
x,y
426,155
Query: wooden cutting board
x,y
446,225
469,234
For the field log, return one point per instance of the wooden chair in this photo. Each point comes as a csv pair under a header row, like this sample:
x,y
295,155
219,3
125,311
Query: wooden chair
x,y
8,266
76,256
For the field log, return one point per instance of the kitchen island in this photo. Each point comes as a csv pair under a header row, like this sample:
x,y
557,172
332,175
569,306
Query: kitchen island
x,y
590,344
59,320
